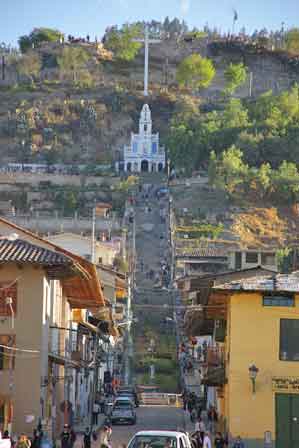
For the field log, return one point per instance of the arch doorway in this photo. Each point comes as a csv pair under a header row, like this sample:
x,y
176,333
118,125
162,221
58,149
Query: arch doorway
x,y
129,167
144,166
153,167
160,167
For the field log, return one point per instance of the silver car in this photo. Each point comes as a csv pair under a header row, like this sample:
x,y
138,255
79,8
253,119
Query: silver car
x,y
123,411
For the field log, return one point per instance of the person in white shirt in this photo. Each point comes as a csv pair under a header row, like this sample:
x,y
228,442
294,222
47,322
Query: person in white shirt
x,y
207,441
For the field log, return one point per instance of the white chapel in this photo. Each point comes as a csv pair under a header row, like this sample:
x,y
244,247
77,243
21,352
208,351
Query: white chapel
x,y
144,154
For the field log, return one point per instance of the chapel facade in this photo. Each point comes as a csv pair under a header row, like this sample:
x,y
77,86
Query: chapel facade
x,y
144,154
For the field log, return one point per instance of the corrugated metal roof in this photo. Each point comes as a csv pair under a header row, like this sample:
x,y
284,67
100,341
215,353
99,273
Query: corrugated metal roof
x,y
24,252
278,282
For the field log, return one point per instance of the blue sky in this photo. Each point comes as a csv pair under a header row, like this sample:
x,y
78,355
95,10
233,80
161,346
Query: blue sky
x,y
81,17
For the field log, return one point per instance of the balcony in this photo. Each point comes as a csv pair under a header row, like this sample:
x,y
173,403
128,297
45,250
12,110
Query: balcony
x,y
213,367
60,349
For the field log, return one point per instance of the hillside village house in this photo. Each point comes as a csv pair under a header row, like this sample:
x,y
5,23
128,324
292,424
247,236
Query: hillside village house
x,y
105,251
48,348
252,365
115,290
217,258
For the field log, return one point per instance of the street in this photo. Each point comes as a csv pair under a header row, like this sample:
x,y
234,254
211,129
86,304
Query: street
x,y
149,418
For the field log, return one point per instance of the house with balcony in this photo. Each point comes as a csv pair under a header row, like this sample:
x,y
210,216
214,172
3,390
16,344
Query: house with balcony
x,y
46,296
251,365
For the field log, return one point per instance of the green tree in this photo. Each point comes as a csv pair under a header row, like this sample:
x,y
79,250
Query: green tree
x,y
123,42
38,36
212,169
235,75
180,142
195,72
29,65
292,40
286,181
264,179
235,115
70,202
232,171
72,60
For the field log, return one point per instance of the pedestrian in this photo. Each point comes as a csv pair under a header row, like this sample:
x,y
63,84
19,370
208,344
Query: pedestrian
x,y
207,441
73,438
87,438
193,415
95,413
23,442
36,440
102,403
104,437
65,437
212,418
219,441
238,443
200,427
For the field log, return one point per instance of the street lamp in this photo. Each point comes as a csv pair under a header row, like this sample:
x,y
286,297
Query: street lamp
x,y
253,371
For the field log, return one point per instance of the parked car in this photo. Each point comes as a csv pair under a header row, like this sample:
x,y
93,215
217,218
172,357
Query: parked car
x,y
123,411
131,395
160,439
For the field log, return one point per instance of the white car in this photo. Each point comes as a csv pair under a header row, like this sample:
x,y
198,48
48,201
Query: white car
x,y
160,439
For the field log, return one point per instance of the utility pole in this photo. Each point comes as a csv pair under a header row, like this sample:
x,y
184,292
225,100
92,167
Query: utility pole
x,y
131,283
3,67
250,84
95,378
93,228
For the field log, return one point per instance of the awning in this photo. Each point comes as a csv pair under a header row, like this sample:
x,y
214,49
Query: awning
x,y
89,327
62,361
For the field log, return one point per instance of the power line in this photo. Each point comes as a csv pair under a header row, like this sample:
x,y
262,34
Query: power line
x,y
16,356
7,347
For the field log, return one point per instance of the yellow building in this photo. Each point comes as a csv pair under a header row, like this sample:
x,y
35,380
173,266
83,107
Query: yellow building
x,y
260,319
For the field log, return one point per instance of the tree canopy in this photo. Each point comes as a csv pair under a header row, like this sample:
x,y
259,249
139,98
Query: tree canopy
x,y
29,65
123,42
266,129
71,60
235,75
195,72
292,40
38,36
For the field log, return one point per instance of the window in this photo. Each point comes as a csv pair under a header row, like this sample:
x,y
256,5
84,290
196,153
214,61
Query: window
x,y
268,259
2,414
8,289
251,257
278,300
289,336
7,360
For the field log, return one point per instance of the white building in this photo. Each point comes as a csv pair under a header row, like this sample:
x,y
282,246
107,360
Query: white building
x,y
105,251
144,154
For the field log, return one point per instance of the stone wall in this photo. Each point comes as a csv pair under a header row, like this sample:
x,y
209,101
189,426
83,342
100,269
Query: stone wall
x,y
45,224
55,179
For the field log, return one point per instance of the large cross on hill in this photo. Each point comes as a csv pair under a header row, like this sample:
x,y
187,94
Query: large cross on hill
x,y
147,41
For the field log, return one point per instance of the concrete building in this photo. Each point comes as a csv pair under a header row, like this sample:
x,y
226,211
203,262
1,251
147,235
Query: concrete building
x,y
144,154
48,369
218,258
105,251
252,364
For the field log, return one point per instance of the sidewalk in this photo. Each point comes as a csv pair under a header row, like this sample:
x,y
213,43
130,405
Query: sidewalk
x,y
81,427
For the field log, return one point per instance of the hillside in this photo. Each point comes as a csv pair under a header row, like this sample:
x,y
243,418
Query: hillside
x,y
90,121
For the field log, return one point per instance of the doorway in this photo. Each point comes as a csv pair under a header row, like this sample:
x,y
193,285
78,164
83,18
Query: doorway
x,y
287,420
144,166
